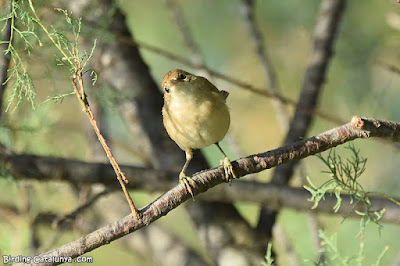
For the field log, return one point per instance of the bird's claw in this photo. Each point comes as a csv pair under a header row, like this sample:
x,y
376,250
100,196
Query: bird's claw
x,y
228,168
188,183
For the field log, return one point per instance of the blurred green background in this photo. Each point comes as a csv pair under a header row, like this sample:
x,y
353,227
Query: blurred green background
x,y
356,84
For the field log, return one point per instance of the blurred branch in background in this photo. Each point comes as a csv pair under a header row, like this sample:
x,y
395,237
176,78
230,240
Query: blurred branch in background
x,y
195,55
324,35
248,9
248,12
235,81
125,72
284,243
4,58
266,194
241,84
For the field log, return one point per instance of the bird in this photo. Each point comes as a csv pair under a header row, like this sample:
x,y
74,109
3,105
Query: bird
x,y
195,115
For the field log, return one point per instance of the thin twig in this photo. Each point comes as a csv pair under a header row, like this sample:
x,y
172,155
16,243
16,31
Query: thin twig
x,y
64,222
248,12
80,93
177,15
80,209
57,45
390,67
86,108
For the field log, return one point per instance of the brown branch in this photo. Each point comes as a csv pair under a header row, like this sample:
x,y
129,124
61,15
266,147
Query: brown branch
x,y
76,78
358,128
80,93
43,168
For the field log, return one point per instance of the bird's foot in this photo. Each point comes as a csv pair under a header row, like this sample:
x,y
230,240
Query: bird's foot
x,y
187,182
229,173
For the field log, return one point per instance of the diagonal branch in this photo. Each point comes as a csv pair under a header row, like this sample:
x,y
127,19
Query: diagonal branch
x,y
358,128
177,15
248,10
80,94
324,36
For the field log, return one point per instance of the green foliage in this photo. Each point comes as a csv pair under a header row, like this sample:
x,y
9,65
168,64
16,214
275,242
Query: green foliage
x,y
59,97
22,19
268,257
68,49
333,255
22,84
344,179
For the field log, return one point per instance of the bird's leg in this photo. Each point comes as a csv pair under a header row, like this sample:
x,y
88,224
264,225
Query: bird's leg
x,y
186,181
229,173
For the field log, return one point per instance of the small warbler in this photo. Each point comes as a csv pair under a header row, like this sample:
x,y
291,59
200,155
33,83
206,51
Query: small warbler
x,y
195,115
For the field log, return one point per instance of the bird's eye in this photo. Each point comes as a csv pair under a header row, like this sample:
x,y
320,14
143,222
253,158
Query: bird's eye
x,y
166,89
181,76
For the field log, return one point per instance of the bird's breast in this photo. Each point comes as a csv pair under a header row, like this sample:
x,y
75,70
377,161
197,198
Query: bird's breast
x,y
196,122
